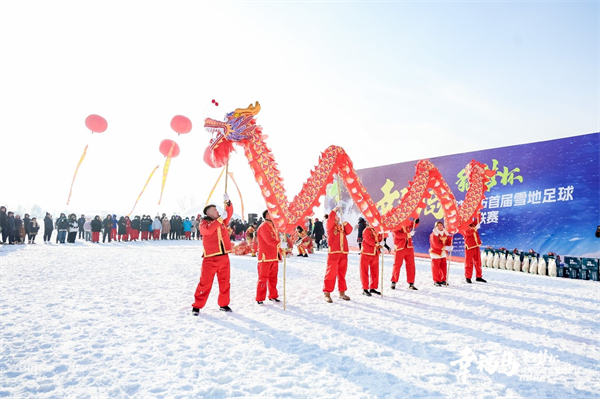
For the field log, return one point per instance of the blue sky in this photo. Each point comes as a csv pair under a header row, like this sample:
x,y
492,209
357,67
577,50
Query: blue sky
x,y
389,82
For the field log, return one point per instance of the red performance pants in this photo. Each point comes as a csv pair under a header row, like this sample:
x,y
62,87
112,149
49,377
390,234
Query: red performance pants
x,y
267,277
156,234
337,265
113,234
188,234
438,269
473,258
95,236
144,235
404,255
218,265
369,271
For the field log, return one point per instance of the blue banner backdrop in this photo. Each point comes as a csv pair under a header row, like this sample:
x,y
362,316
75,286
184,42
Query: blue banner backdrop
x,y
545,196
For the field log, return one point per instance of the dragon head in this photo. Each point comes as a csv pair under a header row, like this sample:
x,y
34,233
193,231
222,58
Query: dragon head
x,y
238,126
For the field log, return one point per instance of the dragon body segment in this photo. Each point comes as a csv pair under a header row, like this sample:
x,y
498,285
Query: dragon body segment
x,y
240,128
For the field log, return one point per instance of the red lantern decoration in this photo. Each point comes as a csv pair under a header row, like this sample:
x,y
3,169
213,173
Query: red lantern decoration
x,y
165,147
96,123
181,124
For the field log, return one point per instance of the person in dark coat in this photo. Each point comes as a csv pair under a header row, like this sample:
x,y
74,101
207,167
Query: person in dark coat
x,y
122,229
3,222
80,223
26,222
10,228
17,229
48,227
97,228
108,228
33,229
62,225
318,232
360,227
135,228
145,224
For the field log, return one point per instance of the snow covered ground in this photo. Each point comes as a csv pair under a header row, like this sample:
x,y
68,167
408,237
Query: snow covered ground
x,y
113,320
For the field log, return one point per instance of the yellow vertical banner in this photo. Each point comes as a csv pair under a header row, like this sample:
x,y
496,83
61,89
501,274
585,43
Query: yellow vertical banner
x,y
75,175
145,185
166,171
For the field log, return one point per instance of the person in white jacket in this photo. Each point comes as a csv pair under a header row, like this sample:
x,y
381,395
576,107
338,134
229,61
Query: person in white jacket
x,y
156,226
87,227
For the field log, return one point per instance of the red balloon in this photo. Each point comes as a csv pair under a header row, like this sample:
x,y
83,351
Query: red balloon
x,y
165,147
181,124
96,123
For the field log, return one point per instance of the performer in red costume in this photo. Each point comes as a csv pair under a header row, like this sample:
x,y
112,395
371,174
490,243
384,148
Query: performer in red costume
x,y
215,258
472,253
268,259
404,252
440,243
337,258
369,260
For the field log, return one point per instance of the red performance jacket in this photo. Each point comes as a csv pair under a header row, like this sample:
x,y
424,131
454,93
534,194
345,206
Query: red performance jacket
x,y
371,239
402,238
336,235
472,238
268,242
437,244
215,236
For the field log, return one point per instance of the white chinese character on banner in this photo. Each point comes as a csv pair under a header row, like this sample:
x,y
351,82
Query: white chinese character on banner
x,y
459,202
492,217
565,193
507,200
494,201
534,197
484,203
520,199
549,195
483,218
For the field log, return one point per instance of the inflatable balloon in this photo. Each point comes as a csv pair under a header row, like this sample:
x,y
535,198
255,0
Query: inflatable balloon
x,y
96,123
165,147
181,124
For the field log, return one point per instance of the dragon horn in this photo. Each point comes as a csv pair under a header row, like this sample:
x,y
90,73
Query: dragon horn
x,y
251,110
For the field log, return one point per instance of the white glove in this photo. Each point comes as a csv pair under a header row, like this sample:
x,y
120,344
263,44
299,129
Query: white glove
x,y
225,197
224,215
449,248
412,233
283,245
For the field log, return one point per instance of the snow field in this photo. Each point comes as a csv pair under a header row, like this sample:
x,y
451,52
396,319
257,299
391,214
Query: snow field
x,y
98,320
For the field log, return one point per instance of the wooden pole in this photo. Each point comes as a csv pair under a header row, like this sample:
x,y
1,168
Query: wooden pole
x,y
284,273
382,253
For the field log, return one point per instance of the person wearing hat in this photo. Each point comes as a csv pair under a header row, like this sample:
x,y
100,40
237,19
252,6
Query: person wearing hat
x,y
215,258
440,243
337,257
404,252
268,260
472,253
